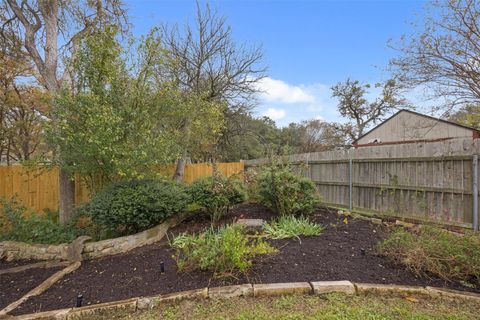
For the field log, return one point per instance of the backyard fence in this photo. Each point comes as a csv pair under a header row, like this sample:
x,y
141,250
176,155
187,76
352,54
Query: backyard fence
x,y
421,181
39,189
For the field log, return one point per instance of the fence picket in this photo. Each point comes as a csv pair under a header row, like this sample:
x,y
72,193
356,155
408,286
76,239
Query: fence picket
x,y
39,189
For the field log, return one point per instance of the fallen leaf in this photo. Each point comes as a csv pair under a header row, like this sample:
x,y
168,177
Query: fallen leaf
x,y
411,299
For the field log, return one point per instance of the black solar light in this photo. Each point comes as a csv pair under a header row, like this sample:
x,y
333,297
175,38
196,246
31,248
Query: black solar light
x,y
362,251
162,267
79,300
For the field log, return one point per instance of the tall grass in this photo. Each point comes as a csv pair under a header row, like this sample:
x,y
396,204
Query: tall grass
x,y
435,251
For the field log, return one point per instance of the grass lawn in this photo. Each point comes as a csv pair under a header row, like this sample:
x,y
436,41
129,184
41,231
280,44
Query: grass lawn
x,y
333,306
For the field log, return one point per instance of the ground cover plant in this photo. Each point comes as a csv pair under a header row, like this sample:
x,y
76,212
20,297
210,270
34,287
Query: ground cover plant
x,y
216,195
285,191
132,206
293,307
19,224
435,251
291,226
225,251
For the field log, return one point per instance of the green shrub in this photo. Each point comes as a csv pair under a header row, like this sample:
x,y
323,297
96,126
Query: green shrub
x,y
285,192
223,251
291,226
18,224
436,251
216,195
133,206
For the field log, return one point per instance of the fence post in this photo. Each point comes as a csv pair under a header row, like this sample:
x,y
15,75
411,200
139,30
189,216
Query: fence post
x,y
475,191
350,184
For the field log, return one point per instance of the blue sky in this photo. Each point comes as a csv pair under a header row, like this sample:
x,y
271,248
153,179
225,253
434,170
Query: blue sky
x,y
309,45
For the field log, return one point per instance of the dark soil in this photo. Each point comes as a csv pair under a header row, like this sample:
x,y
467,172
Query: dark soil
x,y
201,221
4,264
334,255
15,285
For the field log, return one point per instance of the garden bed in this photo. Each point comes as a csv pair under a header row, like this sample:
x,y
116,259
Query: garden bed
x,y
334,255
15,285
4,264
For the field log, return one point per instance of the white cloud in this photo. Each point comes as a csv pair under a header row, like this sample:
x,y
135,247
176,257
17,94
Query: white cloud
x,y
285,103
275,114
280,91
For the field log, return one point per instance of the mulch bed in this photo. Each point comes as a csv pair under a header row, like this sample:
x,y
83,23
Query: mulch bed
x,y
4,264
16,285
334,255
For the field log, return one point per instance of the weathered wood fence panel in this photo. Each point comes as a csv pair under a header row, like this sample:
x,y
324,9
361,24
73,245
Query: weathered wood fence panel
x,y
39,189
424,181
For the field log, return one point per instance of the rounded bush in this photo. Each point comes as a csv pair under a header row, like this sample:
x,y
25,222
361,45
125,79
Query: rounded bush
x,y
133,206
216,195
287,193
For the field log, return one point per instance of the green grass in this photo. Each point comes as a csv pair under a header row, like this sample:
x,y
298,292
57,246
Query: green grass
x,y
333,306
291,226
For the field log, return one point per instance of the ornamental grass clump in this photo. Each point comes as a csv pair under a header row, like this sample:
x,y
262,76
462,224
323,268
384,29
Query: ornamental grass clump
x,y
437,252
224,251
291,226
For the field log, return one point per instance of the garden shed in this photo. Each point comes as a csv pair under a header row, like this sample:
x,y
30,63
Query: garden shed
x,y
408,126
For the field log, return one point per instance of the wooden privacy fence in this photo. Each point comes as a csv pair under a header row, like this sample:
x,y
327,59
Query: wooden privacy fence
x,y
39,189
423,181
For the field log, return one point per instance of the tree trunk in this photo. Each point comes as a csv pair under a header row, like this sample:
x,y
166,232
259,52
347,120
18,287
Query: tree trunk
x,y
67,196
180,169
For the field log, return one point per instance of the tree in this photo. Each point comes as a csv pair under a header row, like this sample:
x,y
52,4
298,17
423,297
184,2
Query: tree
x,y
21,121
468,115
249,138
358,111
312,136
205,61
41,27
112,126
21,105
443,54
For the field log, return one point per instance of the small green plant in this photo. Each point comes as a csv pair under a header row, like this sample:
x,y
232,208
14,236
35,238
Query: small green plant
x,y
435,251
216,195
19,224
224,251
291,226
285,191
133,206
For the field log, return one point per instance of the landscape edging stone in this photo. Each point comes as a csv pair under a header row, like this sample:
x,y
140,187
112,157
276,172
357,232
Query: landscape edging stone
x,y
275,289
134,304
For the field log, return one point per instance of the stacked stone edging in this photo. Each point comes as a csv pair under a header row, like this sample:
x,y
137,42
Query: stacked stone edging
x,y
248,290
12,250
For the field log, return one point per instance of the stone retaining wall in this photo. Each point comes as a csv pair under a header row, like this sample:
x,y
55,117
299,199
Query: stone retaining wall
x,y
12,250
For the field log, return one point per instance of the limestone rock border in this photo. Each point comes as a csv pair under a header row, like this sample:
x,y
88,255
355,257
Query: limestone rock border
x,y
274,289
12,250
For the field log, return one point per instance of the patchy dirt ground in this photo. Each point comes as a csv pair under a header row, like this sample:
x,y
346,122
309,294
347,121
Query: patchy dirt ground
x,y
334,255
